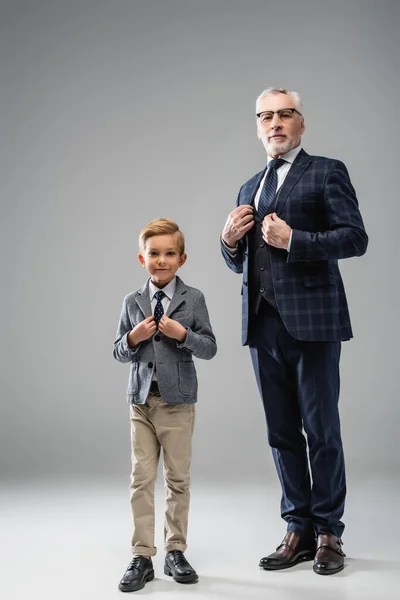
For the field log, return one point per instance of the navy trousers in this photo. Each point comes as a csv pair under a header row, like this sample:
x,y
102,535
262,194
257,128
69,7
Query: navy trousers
x,y
299,386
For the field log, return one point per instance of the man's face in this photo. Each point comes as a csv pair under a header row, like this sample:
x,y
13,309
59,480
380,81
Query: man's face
x,y
279,135
162,259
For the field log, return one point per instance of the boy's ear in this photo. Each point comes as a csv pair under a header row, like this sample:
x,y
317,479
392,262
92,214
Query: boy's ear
x,y
182,259
141,259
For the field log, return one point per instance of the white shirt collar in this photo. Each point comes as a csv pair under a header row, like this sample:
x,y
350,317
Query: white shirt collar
x,y
289,156
168,290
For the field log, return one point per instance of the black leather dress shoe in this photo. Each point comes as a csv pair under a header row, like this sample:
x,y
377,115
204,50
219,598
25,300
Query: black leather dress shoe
x,y
139,572
329,558
178,567
294,548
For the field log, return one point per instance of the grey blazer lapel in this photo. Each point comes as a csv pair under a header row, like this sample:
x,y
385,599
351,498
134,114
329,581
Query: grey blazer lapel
x,y
296,171
178,298
143,300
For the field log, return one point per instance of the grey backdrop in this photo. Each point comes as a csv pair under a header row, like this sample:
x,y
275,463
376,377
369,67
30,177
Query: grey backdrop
x,y
114,113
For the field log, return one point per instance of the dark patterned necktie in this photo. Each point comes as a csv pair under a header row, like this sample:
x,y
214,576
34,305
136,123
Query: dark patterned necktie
x,y
158,309
269,188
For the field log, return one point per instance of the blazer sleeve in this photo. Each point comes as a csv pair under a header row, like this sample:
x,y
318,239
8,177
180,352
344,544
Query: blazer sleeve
x,y
122,352
200,339
345,235
234,257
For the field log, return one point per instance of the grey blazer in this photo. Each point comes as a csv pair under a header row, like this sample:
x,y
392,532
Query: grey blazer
x,y
176,373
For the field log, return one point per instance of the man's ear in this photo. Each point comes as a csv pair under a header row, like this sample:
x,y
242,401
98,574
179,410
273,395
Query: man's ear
x,y
141,260
258,130
182,259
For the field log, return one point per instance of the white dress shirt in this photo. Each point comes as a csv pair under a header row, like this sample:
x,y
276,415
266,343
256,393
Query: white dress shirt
x,y
169,291
281,172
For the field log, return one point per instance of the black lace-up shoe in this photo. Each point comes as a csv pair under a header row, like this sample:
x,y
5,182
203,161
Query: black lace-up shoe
x,y
178,567
139,572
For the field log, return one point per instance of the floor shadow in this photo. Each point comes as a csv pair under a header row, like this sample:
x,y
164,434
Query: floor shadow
x,y
371,565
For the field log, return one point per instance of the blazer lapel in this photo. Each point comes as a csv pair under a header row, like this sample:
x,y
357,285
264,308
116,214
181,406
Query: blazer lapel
x,y
143,300
296,170
248,196
178,298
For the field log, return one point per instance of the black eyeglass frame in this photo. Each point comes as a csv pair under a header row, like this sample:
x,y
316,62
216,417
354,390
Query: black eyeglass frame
x,y
294,110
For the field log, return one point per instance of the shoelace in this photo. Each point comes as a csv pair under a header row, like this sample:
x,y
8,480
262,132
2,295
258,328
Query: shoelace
x,y
135,563
179,558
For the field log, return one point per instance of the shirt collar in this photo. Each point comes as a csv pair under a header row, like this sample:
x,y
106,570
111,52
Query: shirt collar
x,y
168,290
289,156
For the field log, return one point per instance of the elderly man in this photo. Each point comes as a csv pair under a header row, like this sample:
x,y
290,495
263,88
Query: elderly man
x,y
293,222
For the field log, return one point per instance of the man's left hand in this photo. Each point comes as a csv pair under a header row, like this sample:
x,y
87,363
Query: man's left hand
x,y
172,329
275,231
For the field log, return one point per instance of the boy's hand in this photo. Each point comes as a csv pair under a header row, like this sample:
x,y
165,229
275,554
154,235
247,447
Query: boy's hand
x,y
172,329
143,331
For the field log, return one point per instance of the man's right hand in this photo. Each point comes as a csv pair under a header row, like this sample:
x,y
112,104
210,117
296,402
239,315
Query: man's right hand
x,y
239,222
143,331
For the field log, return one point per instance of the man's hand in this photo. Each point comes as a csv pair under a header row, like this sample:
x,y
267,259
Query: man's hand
x,y
172,329
238,223
143,331
275,231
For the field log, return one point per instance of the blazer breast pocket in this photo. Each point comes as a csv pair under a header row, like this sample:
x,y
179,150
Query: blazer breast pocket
x,y
310,205
183,317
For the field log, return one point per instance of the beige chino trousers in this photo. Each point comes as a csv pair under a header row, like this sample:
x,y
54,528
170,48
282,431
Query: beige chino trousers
x,y
154,426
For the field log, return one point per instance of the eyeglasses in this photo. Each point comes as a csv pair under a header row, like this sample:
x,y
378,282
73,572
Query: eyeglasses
x,y
285,114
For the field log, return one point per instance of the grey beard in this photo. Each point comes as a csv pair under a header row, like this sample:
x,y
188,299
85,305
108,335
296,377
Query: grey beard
x,y
280,147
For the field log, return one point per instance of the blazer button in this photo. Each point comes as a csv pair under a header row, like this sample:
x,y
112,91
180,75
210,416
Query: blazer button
x,y
262,268
262,245
262,290
157,338
150,365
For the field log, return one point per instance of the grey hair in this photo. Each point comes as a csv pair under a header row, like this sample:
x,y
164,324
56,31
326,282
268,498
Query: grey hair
x,y
273,91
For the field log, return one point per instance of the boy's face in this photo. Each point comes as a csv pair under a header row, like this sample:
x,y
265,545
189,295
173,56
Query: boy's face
x,y
161,259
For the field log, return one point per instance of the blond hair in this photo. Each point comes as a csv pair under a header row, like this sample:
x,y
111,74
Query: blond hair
x,y
162,227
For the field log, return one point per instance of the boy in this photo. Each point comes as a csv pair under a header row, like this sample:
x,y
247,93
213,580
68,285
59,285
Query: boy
x,y
162,326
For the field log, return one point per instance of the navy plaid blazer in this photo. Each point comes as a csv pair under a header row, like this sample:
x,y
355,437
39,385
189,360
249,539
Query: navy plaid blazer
x,y
318,201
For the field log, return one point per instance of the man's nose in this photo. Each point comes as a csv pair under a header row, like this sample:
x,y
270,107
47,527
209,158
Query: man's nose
x,y
276,122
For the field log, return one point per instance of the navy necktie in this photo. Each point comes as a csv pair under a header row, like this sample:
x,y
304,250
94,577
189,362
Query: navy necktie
x,y
269,188
158,309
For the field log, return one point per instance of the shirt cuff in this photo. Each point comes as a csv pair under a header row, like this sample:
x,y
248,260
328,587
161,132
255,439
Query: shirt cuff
x,y
231,251
290,241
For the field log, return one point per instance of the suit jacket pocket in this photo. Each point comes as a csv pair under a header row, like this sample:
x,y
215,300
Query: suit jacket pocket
x,y
309,202
318,279
133,383
185,318
187,378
